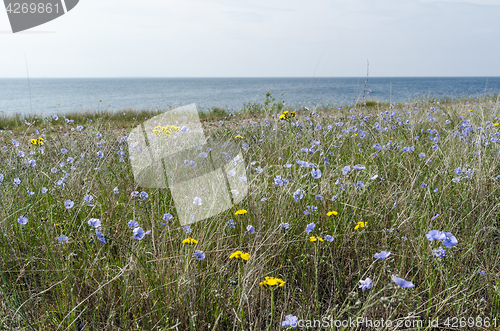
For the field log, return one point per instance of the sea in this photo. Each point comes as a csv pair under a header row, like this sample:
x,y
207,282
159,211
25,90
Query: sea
x,y
50,96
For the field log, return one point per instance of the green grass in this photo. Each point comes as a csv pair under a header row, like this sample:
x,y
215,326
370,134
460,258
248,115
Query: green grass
x,y
156,284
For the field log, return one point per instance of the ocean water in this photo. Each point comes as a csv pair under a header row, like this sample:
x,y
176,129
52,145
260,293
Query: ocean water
x,y
57,96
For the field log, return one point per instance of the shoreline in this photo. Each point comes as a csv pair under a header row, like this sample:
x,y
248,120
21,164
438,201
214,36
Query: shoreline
x,y
129,117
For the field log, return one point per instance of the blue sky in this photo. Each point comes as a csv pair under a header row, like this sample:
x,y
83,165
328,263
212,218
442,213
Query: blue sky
x,y
257,38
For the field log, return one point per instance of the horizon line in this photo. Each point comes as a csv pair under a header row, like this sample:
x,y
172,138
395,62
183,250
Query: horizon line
x,y
229,77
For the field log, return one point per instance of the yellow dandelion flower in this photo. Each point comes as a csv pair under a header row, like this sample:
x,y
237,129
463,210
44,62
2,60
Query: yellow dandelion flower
x,y
235,255
360,225
165,131
496,124
241,212
240,255
272,282
189,241
330,213
313,239
34,141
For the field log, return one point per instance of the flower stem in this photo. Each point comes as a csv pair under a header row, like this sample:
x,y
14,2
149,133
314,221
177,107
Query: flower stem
x,y
240,274
272,309
316,285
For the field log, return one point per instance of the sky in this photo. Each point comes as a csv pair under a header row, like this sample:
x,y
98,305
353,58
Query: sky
x,y
259,38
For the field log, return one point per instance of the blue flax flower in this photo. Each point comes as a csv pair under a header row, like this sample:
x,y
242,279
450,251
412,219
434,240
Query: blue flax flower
x,y
449,240
435,235
95,222
365,284
291,321
298,195
316,173
100,236
278,181
199,255
250,229
22,220
133,224
402,283
63,239
69,204
382,255
359,184
440,252
310,227
139,233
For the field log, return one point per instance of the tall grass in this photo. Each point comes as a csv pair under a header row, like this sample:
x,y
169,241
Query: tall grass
x,y
156,284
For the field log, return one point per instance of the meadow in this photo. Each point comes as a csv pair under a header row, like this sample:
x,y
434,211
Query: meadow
x,y
375,211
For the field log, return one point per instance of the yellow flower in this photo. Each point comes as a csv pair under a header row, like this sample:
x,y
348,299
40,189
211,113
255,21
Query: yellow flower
x,y
189,241
236,254
241,212
286,115
40,140
34,141
272,282
496,124
360,225
330,213
240,255
313,239
165,131
238,137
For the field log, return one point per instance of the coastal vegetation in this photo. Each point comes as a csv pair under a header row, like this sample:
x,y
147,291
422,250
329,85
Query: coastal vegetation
x,y
371,211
